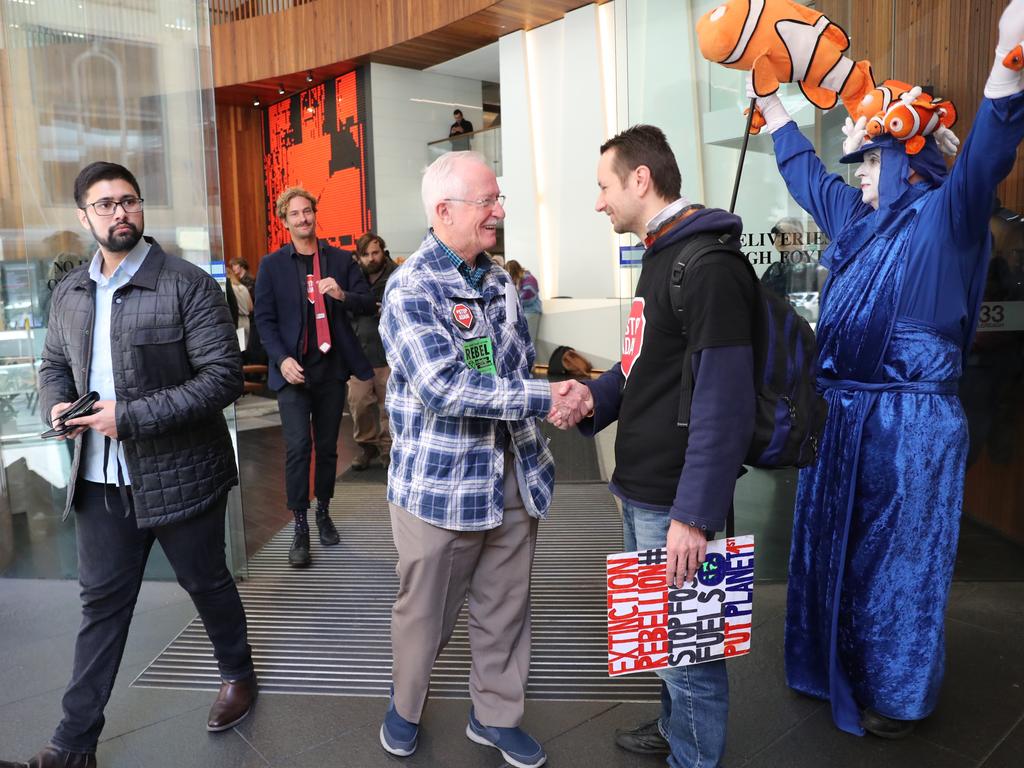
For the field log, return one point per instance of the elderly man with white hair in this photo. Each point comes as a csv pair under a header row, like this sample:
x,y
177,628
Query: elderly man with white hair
x,y
471,474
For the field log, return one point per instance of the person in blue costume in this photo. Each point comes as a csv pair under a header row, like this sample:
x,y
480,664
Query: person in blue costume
x,y
877,516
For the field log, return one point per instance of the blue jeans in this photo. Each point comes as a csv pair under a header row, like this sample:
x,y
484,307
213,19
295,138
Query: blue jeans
x,y
694,699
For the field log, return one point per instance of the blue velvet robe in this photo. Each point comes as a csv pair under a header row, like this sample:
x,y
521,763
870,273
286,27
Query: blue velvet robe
x,y
877,516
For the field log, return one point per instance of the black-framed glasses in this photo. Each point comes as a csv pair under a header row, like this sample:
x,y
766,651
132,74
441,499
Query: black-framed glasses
x,y
108,207
486,202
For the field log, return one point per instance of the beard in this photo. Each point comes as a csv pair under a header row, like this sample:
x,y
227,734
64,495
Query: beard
x,y
118,242
373,268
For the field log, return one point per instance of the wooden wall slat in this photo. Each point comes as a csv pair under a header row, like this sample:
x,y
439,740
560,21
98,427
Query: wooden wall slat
x,y
240,159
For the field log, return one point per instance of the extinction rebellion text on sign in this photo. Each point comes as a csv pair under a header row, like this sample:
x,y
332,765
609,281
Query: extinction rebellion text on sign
x,y
652,626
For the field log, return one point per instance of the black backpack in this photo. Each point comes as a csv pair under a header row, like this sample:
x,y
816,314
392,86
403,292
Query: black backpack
x,y
790,414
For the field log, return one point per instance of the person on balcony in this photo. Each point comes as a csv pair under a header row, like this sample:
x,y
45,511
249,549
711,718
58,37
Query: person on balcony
x,y
458,128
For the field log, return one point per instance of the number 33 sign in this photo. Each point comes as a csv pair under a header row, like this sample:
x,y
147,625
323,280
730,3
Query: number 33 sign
x,y
1001,316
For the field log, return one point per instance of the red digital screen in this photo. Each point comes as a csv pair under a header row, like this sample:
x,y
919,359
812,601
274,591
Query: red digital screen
x,y
317,139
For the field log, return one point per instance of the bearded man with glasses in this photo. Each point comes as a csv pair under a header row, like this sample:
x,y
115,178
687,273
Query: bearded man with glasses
x,y
153,461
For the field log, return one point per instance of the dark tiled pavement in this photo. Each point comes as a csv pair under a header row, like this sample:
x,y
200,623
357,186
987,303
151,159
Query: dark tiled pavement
x,y
979,722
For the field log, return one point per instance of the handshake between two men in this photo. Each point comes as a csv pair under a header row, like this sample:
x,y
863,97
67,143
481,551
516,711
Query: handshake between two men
x,y
571,402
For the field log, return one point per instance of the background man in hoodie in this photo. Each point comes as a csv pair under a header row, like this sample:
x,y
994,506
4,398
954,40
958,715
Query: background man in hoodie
x,y
676,485
366,398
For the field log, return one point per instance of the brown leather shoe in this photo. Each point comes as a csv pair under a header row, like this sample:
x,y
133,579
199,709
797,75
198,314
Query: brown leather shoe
x,y
234,702
51,757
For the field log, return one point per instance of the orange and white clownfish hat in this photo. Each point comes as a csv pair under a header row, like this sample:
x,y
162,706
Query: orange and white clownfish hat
x,y
907,114
780,41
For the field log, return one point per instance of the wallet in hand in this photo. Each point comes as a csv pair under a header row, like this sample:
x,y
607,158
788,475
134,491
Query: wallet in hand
x,y
83,406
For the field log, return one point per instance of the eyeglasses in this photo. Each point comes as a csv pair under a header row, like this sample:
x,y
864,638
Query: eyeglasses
x,y
487,202
107,207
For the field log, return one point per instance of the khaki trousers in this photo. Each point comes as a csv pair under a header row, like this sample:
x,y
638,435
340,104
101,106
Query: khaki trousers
x,y
366,404
437,569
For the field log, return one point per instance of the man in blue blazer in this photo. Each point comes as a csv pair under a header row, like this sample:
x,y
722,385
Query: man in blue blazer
x,y
304,292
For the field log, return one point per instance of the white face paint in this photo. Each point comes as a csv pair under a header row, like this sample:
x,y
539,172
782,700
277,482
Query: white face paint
x,y
868,173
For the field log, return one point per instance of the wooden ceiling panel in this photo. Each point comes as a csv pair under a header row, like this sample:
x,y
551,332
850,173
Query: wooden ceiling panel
x,y
331,37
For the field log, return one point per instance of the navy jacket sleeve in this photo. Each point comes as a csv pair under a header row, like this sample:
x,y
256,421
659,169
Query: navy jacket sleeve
x,y
265,313
607,393
721,426
831,202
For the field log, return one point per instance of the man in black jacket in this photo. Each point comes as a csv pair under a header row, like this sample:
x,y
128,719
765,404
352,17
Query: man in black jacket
x,y
304,292
676,484
458,128
366,398
150,333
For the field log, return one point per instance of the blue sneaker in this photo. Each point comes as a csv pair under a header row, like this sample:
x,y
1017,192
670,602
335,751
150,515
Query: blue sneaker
x,y
397,735
518,747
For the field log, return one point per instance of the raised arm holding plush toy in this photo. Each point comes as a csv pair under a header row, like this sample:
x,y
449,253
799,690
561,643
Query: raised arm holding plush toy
x,y
877,517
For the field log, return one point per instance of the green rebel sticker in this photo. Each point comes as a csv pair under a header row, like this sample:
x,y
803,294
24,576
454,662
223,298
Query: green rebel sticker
x,y
479,355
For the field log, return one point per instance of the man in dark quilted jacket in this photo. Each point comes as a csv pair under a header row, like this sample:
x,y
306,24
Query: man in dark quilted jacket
x,y
151,334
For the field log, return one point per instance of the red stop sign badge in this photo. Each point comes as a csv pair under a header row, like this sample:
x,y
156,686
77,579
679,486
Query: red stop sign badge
x,y
633,341
463,315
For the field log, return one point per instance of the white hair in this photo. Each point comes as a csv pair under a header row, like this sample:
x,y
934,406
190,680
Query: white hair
x,y
440,180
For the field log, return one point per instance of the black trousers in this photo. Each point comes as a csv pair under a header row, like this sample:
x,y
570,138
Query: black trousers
x,y
112,555
311,416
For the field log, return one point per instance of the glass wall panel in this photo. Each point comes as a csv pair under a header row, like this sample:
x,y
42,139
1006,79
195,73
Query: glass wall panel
x,y
83,80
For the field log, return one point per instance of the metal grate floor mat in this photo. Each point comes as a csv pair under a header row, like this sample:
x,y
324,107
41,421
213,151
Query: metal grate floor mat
x,y
326,629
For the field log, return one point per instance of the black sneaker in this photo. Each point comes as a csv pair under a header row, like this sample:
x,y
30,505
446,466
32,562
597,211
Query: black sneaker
x,y
885,727
298,555
645,739
325,526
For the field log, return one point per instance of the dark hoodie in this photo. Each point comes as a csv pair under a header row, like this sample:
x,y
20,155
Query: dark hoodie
x,y
367,327
659,466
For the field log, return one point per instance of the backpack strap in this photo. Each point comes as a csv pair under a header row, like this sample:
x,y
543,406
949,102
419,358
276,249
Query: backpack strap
x,y
696,247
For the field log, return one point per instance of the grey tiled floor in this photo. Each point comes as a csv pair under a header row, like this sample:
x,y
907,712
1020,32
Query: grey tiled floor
x,y
979,722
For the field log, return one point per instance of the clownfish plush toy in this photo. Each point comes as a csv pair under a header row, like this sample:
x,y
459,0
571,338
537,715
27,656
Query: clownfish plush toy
x,y
879,99
904,112
782,41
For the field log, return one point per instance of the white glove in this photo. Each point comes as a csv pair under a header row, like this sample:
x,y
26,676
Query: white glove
x,y
912,95
855,134
775,115
946,141
1003,80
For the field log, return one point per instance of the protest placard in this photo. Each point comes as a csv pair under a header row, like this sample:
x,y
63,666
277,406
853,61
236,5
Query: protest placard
x,y
652,625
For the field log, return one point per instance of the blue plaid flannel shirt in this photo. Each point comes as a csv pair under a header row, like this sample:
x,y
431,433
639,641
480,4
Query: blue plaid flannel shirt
x,y
450,423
